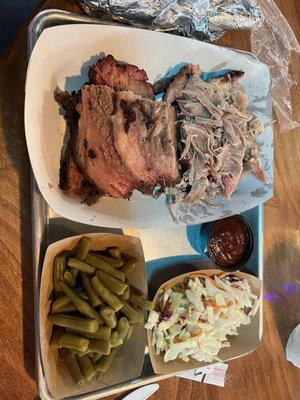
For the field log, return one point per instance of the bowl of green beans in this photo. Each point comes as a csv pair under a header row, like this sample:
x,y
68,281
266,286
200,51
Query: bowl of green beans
x,y
93,304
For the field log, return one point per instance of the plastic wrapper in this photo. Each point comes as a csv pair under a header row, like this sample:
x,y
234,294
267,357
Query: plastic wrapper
x,y
272,39
273,43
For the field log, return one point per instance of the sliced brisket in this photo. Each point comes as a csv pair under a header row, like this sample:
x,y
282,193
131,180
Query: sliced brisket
x,y
144,136
120,76
125,141
94,150
74,179
71,180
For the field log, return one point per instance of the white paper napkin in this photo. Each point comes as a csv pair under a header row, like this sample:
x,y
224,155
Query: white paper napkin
x,y
212,374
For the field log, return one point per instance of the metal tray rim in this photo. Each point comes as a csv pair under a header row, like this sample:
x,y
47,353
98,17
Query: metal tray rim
x,y
40,22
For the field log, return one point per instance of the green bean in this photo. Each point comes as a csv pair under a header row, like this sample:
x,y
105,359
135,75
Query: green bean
x,y
86,367
81,293
66,309
84,353
115,252
111,299
105,362
99,346
62,301
131,313
72,366
97,262
140,302
136,291
83,248
129,333
123,328
109,316
112,283
113,336
96,357
94,298
57,332
72,252
70,279
81,305
74,272
77,323
73,342
59,268
126,293
80,265
103,333
114,262
114,340
116,343
128,266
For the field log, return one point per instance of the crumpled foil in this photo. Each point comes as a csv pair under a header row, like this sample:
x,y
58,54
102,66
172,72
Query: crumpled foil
x,y
199,19
272,39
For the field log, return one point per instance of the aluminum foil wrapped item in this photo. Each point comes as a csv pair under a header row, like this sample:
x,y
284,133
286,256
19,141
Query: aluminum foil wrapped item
x,y
199,19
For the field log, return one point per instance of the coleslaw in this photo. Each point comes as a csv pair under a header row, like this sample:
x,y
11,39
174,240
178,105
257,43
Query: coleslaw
x,y
194,317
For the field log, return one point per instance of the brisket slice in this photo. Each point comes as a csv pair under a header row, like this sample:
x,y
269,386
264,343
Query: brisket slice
x,y
94,149
71,180
144,136
125,141
120,76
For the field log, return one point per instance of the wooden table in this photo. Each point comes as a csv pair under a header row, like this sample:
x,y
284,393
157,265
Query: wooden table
x,y
264,374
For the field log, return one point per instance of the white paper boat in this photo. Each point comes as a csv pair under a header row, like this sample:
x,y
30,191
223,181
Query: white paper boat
x,y
59,381
247,340
61,58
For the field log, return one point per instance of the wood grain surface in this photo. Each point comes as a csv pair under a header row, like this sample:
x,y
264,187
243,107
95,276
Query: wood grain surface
x,y
265,374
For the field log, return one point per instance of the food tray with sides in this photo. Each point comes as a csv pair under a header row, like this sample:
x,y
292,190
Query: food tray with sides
x,y
179,248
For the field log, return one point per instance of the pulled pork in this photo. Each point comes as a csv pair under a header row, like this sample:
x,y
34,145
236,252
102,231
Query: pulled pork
x,y
217,135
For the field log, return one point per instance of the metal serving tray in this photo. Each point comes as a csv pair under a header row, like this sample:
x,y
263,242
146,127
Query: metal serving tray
x,y
48,227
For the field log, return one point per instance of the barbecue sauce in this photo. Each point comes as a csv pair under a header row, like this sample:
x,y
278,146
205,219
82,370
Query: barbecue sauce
x,y
229,241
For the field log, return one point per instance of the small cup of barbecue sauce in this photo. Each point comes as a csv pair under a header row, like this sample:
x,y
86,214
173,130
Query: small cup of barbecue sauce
x,y
230,243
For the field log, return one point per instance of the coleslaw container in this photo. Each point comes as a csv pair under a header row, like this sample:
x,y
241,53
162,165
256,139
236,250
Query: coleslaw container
x,y
248,338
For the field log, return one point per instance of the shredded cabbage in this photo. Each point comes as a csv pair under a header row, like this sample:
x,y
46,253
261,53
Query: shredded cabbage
x,y
193,319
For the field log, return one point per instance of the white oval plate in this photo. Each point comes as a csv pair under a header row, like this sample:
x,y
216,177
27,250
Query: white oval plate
x,y
61,58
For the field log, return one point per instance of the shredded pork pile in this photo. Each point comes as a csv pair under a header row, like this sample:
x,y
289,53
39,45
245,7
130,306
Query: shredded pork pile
x,y
217,135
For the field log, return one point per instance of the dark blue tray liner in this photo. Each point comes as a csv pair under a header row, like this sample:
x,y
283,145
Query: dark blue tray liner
x,y
163,269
